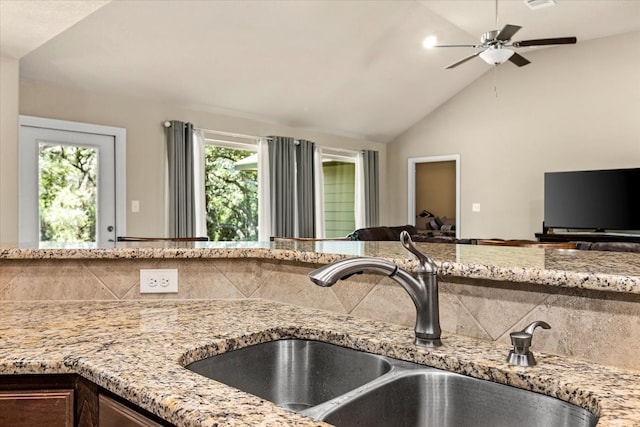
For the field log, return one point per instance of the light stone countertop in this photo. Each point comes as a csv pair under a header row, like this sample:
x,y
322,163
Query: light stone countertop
x,y
137,349
595,270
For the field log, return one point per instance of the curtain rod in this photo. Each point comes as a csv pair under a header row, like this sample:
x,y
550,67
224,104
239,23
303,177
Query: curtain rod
x,y
167,124
231,134
240,135
235,144
340,150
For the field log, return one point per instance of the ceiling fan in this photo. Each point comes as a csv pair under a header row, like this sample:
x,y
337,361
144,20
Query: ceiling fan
x,y
498,47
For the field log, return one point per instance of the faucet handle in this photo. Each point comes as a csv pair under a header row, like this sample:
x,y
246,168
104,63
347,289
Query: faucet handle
x,y
426,264
521,340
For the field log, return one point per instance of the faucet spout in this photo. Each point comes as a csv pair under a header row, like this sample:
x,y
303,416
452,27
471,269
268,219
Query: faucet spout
x,y
329,274
421,287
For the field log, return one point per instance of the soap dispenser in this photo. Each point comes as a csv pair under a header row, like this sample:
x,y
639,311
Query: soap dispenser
x,y
521,340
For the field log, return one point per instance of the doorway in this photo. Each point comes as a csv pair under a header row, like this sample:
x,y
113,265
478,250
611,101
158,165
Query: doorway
x,y
71,182
434,185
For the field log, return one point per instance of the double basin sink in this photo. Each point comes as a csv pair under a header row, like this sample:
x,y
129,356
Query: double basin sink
x,y
346,387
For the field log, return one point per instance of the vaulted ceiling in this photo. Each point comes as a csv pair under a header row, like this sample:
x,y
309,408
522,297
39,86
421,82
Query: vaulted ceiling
x,y
354,68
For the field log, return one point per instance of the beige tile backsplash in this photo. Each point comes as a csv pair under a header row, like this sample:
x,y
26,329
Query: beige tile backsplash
x,y
597,326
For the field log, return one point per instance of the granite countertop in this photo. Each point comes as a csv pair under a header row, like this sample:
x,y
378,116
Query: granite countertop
x,y
595,270
137,350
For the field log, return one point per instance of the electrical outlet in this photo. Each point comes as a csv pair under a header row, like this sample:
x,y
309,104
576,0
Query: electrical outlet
x,y
159,281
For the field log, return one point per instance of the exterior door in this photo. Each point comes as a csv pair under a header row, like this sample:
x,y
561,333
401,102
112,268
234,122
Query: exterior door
x,y
67,186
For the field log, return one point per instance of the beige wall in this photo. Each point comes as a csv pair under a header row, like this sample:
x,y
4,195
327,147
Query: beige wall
x,y
9,100
145,139
575,107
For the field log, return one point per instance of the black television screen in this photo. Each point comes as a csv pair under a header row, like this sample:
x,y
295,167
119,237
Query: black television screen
x,y
599,200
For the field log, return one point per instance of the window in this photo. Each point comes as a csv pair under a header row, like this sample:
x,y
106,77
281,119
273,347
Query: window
x,y
339,198
231,193
339,176
231,188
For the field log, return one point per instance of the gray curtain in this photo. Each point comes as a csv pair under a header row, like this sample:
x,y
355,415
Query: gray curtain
x,y
291,183
306,192
181,179
282,166
371,188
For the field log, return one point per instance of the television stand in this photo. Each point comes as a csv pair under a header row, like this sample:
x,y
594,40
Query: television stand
x,y
586,237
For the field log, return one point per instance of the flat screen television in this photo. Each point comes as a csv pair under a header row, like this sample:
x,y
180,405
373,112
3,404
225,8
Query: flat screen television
x,y
597,200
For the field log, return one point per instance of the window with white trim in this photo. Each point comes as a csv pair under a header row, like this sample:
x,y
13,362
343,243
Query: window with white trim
x,y
339,176
231,190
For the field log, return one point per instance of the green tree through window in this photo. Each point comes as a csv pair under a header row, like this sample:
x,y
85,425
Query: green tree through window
x,y
67,181
231,195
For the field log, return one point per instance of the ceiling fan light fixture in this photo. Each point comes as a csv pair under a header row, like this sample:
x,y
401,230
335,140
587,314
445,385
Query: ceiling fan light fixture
x,y
496,56
429,42
539,4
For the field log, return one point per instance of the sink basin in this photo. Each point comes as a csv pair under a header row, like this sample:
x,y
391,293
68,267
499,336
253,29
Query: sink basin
x,y
294,374
443,399
347,388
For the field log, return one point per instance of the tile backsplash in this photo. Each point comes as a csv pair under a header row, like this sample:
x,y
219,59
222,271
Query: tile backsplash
x,y
602,327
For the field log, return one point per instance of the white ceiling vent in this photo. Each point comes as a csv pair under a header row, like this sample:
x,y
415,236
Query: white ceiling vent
x,y
539,4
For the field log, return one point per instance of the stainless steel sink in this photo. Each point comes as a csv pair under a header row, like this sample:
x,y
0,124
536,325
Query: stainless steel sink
x,y
442,399
349,388
294,374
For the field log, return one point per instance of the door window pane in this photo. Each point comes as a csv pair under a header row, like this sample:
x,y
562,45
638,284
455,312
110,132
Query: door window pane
x,y
68,193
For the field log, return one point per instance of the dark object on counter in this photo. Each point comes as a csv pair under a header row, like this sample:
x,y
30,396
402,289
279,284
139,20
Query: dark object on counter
x,y
429,238
382,233
609,246
393,233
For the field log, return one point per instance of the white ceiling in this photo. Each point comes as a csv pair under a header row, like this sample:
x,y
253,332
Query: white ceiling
x,y
353,68
27,24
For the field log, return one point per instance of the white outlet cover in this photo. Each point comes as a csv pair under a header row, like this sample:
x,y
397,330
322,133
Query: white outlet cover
x,y
159,281
475,207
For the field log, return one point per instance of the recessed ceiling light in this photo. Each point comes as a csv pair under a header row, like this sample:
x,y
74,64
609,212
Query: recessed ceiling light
x,y
539,4
429,41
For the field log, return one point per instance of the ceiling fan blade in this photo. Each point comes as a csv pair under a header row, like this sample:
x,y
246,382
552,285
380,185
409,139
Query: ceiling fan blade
x,y
462,61
544,42
458,45
519,60
507,32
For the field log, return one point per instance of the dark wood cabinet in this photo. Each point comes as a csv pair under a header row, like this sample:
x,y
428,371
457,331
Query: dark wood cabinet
x,y
66,401
46,397
37,408
115,414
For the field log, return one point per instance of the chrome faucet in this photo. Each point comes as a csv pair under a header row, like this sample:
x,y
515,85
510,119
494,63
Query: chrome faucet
x,y
422,287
